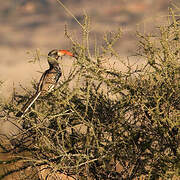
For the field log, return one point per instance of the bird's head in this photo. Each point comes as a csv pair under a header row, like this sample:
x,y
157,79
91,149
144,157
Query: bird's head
x,y
55,54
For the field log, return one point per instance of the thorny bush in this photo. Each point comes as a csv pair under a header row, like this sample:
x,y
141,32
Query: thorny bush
x,y
112,124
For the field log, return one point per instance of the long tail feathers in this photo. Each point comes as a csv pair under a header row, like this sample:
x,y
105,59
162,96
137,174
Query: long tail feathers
x,y
28,105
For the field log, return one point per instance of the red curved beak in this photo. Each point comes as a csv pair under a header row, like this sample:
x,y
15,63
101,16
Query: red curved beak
x,y
62,52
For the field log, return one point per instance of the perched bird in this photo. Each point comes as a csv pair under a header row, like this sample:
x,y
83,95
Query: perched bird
x,y
48,79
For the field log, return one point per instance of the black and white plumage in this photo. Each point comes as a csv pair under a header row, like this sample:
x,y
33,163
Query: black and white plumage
x,y
48,80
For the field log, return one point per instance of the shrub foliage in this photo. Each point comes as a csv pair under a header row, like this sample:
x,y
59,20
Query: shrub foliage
x,y
112,124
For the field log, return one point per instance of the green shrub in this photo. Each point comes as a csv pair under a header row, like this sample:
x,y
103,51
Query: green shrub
x,y
112,124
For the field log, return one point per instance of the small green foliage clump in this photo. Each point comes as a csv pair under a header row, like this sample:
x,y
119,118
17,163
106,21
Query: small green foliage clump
x,y
112,124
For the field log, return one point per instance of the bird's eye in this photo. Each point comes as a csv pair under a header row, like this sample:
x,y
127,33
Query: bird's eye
x,y
54,53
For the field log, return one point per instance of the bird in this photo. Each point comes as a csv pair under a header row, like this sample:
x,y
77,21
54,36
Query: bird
x,y
49,78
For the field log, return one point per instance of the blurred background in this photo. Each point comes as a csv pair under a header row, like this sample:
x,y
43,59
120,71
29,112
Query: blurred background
x,y
27,25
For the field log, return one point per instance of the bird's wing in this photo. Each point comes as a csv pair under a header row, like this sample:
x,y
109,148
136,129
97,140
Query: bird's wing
x,y
41,81
48,80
